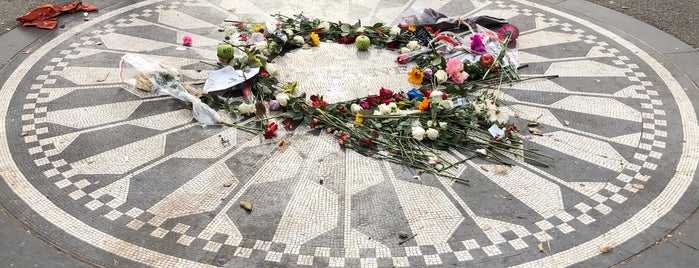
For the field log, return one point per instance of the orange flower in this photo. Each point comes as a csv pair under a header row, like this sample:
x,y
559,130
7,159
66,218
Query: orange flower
x,y
424,105
415,76
411,28
315,39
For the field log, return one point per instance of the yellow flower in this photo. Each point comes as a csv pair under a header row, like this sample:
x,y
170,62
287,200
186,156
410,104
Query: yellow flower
x,y
358,118
415,76
315,39
411,28
424,105
258,28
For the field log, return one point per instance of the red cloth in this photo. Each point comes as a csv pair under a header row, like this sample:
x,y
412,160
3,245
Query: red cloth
x,y
45,16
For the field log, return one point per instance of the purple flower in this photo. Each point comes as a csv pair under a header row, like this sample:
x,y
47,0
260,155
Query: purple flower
x,y
427,72
477,44
274,105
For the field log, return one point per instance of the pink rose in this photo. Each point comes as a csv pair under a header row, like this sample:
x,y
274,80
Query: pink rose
x,y
454,66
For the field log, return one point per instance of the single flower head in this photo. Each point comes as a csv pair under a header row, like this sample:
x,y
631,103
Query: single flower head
x,y
415,76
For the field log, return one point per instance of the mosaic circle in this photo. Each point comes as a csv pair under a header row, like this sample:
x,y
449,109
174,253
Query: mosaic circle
x,y
130,174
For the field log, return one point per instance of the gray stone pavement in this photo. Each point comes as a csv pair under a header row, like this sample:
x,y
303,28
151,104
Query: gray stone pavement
x,y
678,250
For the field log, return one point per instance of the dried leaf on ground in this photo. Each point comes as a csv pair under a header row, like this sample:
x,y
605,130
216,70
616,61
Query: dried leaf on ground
x,y
638,186
500,170
485,227
566,122
484,167
102,79
536,131
540,246
604,248
402,234
246,205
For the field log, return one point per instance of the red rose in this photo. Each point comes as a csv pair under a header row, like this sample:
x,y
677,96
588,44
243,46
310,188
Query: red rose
x,y
270,131
272,127
372,100
402,58
341,109
346,40
314,98
427,92
243,38
392,45
385,93
366,141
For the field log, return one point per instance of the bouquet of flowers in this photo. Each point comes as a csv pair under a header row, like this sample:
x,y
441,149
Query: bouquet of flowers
x,y
454,103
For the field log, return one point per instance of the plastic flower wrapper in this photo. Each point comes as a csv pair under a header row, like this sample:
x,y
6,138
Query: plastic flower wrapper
x,y
494,47
154,76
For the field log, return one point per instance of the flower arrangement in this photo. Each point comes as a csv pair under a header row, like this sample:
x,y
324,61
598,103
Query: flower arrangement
x,y
453,105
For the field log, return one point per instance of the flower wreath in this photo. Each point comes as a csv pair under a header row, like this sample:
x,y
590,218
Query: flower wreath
x,y
454,104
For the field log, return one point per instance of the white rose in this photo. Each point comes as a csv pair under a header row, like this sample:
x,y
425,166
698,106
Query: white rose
x,y
361,29
441,76
418,133
405,50
282,98
299,40
436,96
377,112
245,108
289,32
272,69
394,31
492,115
383,109
413,45
325,25
392,107
447,104
432,133
355,108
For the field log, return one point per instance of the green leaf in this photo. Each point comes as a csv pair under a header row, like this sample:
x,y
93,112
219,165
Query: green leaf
x,y
437,62
377,25
345,28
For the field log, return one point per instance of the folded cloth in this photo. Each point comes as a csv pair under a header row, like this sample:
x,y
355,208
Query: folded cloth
x,y
45,16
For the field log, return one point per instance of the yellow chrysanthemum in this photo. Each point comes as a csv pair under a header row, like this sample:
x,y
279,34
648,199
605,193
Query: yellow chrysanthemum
x,y
411,28
415,76
358,118
315,39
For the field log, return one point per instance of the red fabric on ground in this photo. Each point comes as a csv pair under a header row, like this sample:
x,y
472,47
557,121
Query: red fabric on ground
x,y
45,16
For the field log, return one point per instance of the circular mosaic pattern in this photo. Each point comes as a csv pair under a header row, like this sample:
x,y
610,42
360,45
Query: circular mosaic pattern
x,y
131,174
